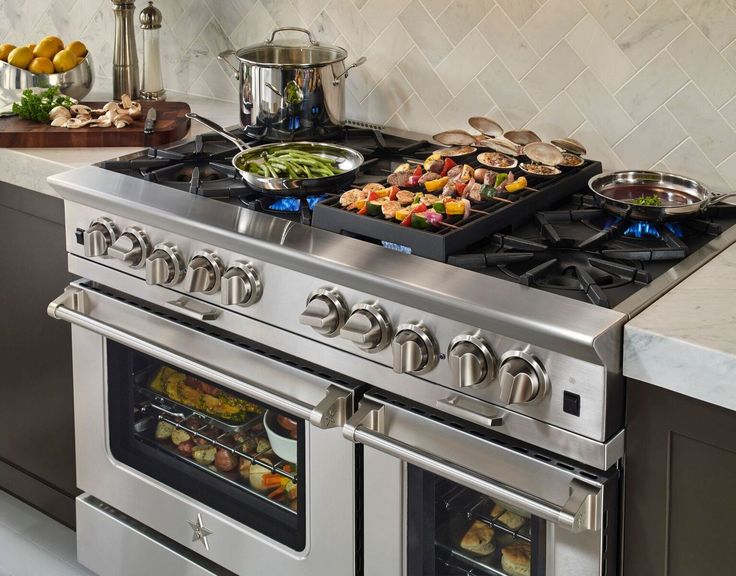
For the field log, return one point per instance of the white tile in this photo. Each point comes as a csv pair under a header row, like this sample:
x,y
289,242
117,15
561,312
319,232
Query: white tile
x,y
308,9
468,58
284,14
703,123
597,147
325,30
360,83
386,52
426,33
713,75
434,7
253,29
600,108
380,13
425,80
192,22
461,16
519,10
651,141
551,23
652,86
215,38
387,97
688,160
507,93
654,29
351,24
601,54
553,72
557,120
613,15
416,116
472,101
714,19
729,112
727,169
216,79
641,5
228,13
509,44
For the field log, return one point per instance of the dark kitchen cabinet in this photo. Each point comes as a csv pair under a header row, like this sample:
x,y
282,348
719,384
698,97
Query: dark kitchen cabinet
x,y
36,411
680,477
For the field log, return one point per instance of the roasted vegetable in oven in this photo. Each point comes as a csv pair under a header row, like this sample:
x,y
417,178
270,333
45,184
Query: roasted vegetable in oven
x,y
257,473
225,461
178,436
204,454
244,468
185,448
164,430
262,445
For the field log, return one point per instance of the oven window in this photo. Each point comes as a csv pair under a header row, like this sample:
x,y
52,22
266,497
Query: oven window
x,y
213,444
453,530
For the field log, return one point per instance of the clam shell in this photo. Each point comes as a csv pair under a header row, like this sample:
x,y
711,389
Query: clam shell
x,y
456,151
570,160
497,160
543,153
570,145
486,126
522,137
502,145
533,170
455,138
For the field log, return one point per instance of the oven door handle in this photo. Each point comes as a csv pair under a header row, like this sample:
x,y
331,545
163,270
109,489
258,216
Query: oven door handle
x,y
72,306
579,513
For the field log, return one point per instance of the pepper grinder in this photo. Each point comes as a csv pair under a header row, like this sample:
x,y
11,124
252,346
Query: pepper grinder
x,y
153,85
125,58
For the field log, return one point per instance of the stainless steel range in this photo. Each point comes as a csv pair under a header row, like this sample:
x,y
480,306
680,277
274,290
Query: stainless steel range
x,y
439,420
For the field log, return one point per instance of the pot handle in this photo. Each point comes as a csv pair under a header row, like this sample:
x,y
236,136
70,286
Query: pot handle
x,y
219,129
312,41
224,57
719,198
359,62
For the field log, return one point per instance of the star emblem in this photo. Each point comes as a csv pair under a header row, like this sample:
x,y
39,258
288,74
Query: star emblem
x,y
200,532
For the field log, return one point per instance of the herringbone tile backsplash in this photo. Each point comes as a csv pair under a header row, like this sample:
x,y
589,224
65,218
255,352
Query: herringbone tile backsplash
x,y
642,83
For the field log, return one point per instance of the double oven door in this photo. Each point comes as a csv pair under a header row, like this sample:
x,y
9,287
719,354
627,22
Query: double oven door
x,y
444,497
201,453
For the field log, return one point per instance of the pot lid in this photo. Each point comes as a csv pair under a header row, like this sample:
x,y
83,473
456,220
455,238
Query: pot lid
x,y
291,53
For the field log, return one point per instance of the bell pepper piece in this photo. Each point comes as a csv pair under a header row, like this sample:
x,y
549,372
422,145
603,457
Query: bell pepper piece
x,y
393,192
383,192
455,208
439,207
499,179
417,198
419,220
436,185
487,192
371,196
447,165
460,188
364,209
516,185
402,213
417,172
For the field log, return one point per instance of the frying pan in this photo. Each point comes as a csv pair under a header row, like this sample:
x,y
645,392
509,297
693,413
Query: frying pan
x,y
347,160
679,197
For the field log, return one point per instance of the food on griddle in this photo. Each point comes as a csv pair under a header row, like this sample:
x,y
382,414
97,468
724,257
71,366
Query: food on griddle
x,y
652,200
571,160
257,473
178,436
202,396
225,461
478,539
204,454
497,160
372,187
516,185
516,559
164,430
289,163
507,517
539,169
288,424
455,151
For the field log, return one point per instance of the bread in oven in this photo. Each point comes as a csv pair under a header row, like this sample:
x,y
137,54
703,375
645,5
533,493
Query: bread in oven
x,y
507,517
478,539
516,559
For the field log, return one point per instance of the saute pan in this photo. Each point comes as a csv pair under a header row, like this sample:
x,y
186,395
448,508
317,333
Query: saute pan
x,y
347,160
677,197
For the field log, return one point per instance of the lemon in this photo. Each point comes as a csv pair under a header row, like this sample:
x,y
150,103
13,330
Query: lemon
x,y
5,49
56,40
41,65
20,56
32,46
46,49
64,60
77,48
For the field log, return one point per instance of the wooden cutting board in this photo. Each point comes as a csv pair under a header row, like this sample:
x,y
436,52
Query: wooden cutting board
x,y
171,125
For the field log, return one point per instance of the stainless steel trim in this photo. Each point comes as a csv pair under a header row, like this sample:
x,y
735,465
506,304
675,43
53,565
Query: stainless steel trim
x,y
490,417
194,309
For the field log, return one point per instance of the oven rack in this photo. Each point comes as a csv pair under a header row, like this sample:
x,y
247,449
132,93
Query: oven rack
x,y
477,567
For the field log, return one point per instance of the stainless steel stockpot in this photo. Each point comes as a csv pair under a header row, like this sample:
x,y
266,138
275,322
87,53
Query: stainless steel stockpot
x,y
291,86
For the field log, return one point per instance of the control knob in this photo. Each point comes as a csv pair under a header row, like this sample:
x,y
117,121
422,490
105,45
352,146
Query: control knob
x,y
101,233
522,379
241,285
325,312
415,350
368,327
471,361
132,248
203,273
165,266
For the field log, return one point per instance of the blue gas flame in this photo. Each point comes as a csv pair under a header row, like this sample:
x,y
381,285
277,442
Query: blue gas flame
x,y
291,204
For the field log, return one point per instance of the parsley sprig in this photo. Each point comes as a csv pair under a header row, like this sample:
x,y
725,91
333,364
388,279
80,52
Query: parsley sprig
x,y
37,106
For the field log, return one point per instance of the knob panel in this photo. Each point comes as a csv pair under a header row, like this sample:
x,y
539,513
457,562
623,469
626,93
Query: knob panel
x,y
415,350
165,265
522,379
132,248
368,327
101,233
326,312
241,285
471,360
203,272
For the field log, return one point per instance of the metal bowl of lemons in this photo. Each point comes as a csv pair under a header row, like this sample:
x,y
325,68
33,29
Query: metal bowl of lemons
x,y
48,63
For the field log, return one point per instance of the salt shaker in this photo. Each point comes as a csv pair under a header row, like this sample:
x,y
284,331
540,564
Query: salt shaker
x,y
153,85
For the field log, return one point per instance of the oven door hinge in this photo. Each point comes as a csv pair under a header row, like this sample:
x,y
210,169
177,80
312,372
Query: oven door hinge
x,y
73,298
333,410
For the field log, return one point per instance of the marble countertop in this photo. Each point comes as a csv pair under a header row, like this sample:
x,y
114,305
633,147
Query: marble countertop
x,y
29,167
686,340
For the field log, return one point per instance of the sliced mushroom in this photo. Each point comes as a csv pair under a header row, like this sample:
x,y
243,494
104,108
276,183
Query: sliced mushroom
x,y
78,122
126,100
122,121
81,110
134,109
59,121
59,112
102,122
